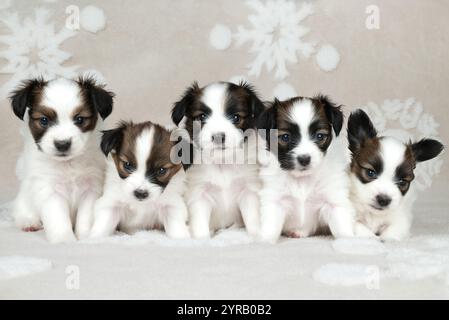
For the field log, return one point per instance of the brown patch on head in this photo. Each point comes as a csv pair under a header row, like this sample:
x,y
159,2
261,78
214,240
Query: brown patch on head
x,y
404,174
85,118
160,169
367,163
243,105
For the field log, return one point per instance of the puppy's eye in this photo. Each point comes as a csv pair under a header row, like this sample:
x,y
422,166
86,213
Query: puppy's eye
x,y
161,171
128,166
371,173
44,122
79,120
402,183
284,138
236,119
200,117
320,136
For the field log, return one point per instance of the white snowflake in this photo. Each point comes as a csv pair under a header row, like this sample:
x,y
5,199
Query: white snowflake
x,y
32,48
407,120
276,35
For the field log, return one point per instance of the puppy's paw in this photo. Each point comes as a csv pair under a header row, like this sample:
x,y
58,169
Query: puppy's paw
x,y
67,237
295,234
200,233
28,223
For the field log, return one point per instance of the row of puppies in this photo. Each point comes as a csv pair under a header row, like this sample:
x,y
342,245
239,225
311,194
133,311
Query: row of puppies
x,y
298,186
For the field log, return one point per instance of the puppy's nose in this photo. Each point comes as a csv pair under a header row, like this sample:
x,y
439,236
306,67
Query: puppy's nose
x,y
304,160
219,138
383,200
63,145
141,194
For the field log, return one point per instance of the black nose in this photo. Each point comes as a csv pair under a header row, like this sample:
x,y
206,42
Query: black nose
x,y
141,194
304,160
383,200
219,138
63,145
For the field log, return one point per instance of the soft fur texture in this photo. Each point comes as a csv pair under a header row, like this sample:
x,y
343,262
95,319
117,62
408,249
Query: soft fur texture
x,y
144,187
305,185
60,169
223,181
382,171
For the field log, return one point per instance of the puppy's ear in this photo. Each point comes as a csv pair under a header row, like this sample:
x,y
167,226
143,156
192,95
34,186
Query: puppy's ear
x,y
257,106
95,94
112,139
426,149
180,107
25,95
267,119
333,113
360,128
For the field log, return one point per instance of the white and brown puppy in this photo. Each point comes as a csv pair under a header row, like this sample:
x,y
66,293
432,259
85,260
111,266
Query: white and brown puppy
x,y
382,171
143,187
305,184
60,169
223,181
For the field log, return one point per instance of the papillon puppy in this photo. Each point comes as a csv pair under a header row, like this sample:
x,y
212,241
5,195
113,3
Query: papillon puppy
x,y
382,171
144,183
60,169
223,180
305,184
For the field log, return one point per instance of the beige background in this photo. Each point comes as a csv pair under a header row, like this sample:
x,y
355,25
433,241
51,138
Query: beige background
x,y
151,50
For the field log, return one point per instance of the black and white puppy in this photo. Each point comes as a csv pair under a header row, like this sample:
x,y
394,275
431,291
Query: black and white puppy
x,y
382,171
144,187
305,185
60,169
223,181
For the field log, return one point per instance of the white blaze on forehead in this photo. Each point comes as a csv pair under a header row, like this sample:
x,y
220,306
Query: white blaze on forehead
x,y
144,144
392,152
62,95
302,113
214,96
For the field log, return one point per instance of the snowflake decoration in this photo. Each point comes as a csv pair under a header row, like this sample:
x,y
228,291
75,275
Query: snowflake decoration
x,y
276,35
414,124
33,48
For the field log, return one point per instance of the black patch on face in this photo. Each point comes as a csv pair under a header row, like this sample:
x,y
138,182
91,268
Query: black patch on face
x,y
404,176
286,159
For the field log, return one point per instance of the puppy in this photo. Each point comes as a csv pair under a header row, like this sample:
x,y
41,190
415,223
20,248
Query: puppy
x,y
382,171
223,181
305,187
143,187
61,171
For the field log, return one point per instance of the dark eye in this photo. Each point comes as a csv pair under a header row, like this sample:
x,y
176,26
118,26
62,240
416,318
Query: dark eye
x,y
44,121
285,137
371,173
320,136
79,120
402,183
161,171
201,117
236,119
128,167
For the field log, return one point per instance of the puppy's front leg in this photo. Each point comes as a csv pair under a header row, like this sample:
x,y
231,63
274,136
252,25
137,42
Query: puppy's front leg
x,y
249,208
25,215
362,231
106,219
272,219
200,211
56,220
174,218
340,220
85,214
398,229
